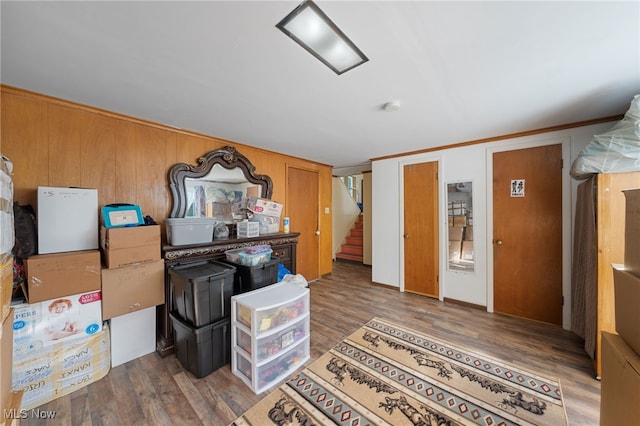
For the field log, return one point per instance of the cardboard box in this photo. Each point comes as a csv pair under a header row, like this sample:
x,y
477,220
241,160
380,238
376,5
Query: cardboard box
x,y
50,276
133,335
632,231
130,245
264,207
43,324
620,387
627,303
455,233
132,288
467,251
266,224
6,288
60,369
455,249
468,233
6,356
12,410
459,220
67,219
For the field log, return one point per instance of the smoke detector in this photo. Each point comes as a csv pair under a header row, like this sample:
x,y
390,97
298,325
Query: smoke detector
x,y
391,106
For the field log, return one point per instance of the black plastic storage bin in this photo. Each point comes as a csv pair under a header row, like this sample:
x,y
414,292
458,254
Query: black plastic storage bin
x,y
249,278
202,350
202,291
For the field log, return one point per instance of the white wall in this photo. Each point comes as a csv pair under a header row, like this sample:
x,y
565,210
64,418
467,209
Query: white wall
x,y
472,163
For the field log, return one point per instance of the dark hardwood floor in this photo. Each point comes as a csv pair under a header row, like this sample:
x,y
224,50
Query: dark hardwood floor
x,y
152,390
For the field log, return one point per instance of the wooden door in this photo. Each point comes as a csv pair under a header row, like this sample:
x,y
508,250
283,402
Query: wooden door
x,y
527,233
421,229
302,207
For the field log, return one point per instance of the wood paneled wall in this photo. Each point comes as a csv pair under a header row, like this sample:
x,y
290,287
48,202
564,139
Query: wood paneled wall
x,y
53,142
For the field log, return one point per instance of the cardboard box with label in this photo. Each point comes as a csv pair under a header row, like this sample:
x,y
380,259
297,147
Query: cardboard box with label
x,y
50,276
130,245
67,219
42,324
58,370
264,207
266,224
132,288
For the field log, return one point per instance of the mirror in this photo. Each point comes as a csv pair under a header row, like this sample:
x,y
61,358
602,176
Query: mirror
x,y
217,187
460,219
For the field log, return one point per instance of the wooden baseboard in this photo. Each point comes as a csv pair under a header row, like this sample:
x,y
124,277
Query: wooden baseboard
x,y
466,304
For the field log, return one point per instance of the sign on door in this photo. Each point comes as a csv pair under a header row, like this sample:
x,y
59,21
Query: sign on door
x,y
517,187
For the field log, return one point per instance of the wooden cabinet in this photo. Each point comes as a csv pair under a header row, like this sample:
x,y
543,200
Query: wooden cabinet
x,y
610,219
283,246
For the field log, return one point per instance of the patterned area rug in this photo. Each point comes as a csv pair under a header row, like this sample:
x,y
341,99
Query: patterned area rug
x,y
385,374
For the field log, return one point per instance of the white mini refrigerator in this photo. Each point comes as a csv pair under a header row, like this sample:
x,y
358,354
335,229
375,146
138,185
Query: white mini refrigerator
x,y
67,219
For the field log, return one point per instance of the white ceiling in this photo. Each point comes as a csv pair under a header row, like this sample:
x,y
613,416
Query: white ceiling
x,y
461,71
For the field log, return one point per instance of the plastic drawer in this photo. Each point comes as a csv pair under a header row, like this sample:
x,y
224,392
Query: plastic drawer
x,y
270,346
266,320
271,373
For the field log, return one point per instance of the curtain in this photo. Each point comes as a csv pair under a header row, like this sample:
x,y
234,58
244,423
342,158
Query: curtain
x,y
584,274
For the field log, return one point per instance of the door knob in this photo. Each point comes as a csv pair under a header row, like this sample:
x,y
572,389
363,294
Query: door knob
x,y
499,242
406,235
318,232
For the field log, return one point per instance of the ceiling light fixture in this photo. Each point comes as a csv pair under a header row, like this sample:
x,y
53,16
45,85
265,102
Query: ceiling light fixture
x,y
308,26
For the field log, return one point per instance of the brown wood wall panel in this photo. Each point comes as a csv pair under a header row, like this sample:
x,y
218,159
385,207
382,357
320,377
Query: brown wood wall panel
x,y
98,141
24,129
53,142
64,131
124,172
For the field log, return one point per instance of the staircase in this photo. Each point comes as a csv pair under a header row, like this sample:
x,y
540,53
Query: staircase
x,y
352,249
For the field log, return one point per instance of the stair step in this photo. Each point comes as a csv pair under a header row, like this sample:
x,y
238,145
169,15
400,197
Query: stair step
x,y
354,241
349,257
356,233
349,249
357,225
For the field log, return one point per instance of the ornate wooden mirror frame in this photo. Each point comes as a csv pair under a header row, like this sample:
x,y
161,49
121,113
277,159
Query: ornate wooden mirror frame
x,y
227,157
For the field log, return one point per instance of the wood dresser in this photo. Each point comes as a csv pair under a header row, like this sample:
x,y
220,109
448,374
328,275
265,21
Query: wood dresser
x,y
283,245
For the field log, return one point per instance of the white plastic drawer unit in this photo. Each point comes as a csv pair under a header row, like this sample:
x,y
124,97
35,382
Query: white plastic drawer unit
x,y
263,310
269,334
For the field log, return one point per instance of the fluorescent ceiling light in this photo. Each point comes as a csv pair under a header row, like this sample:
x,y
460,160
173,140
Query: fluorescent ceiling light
x,y
308,26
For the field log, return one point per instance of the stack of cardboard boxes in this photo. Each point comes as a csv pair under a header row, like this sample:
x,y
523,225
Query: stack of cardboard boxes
x,y
59,341
7,402
61,338
460,233
620,389
266,213
132,286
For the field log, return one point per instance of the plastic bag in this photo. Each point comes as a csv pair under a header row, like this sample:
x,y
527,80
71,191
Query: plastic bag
x,y
295,279
220,231
616,151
